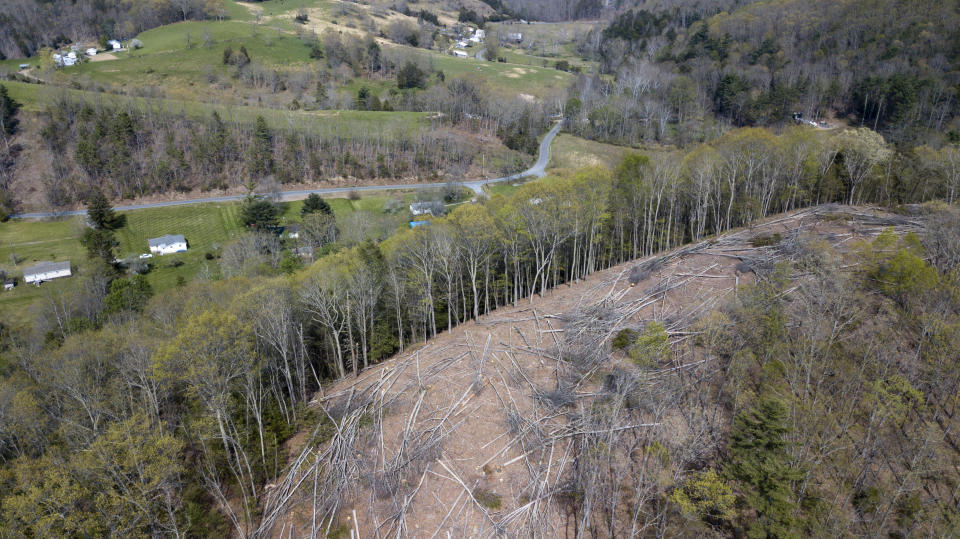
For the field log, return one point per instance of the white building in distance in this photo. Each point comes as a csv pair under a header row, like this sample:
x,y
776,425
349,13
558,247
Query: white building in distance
x,y
164,245
45,271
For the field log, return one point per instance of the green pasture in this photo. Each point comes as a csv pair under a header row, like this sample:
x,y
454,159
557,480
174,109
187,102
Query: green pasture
x,y
37,97
207,227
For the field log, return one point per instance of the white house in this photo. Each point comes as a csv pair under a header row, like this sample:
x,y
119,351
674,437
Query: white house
x,y
461,54
45,271
293,231
164,245
9,284
91,51
68,59
434,209
462,44
115,45
479,34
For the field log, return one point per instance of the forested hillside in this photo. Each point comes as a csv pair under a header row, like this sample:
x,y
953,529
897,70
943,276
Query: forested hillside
x,y
28,25
893,66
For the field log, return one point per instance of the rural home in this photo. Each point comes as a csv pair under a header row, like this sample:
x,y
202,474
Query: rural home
x,y
45,271
9,284
171,243
115,45
293,231
460,54
515,37
424,208
91,51
68,59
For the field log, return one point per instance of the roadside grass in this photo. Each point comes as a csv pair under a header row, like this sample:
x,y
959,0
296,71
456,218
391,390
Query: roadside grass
x,y
570,152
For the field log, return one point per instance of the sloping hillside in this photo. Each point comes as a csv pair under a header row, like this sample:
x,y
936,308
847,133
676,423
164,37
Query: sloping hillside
x,y
526,423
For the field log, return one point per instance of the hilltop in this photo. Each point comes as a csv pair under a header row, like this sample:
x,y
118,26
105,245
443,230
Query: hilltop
x,y
523,421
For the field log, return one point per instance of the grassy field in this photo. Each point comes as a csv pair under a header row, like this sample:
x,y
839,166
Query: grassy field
x,y
184,61
37,97
207,227
506,78
570,153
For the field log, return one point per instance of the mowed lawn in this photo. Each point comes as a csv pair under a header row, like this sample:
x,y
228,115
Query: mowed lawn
x,y
206,227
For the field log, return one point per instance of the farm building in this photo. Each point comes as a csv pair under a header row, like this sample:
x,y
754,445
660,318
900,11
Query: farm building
x,y
115,45
164,245
91,51
9,284
515,37
293,231
45,271
461,54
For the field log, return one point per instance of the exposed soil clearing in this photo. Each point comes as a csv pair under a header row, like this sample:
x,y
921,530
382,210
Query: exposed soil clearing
x,y
446,435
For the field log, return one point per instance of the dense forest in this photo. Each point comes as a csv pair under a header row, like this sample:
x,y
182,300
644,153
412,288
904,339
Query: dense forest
x,y
28,25
135,414
679,72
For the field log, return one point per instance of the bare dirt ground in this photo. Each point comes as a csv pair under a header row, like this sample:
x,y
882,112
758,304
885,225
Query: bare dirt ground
x,y
103,57
436,442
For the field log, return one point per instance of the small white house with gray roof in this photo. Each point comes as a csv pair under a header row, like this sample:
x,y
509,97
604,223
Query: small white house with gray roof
x,y
164,245
45,271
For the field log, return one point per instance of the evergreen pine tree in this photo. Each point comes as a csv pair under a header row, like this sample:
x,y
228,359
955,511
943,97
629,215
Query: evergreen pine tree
x,y
315,203
8,112
100,211
760,464
261,152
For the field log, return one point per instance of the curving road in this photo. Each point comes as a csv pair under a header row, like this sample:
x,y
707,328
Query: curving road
x,y
538,170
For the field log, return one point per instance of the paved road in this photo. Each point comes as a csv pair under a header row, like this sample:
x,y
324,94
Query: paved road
x,y
537,170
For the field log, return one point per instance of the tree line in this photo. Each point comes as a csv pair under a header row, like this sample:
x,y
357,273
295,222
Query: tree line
x,y
128,151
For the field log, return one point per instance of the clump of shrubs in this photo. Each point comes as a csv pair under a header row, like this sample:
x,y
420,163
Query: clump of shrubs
x,y
487,498
647,348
